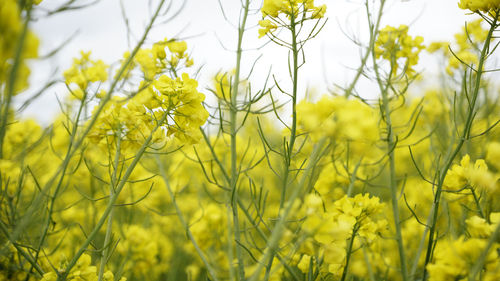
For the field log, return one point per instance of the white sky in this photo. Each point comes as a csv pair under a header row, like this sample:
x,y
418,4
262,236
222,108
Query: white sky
x,y
329,56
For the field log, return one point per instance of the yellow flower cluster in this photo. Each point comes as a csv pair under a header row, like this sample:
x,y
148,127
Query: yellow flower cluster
x,y
83,72
181,97
479,5
465,52
343,220
141,251
394,44
335,116
474,175
156,61
267,26
10,31
454,260
274,8
174,105
493,154
82,271
478,227
185,211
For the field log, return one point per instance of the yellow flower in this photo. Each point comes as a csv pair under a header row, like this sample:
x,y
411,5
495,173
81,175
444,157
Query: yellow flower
x,y
273,7
454,259
177,47
318,12
493,154
49,276
108,276
85,71
479,5
267,26
304,263
396,46
480,228
476,175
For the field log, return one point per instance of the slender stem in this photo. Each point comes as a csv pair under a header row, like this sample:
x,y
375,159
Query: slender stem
x,y
350,188
393,184
349,252
293,132
28,257
184,222
107,237
478,266
243,208
78,142
373,35
112,201
230,242
273,241
233,111
478,203
59,184
392,166
421,246
4,109
465,136
288,155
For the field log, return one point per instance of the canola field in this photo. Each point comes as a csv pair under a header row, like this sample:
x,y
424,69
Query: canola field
x,y
147,175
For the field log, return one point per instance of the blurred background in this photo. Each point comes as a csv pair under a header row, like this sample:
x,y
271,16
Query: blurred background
x,y
209,28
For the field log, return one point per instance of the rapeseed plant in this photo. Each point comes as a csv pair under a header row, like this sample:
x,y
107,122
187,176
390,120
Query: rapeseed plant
x,y
141,178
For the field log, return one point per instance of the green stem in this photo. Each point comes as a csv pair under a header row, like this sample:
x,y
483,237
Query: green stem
x,y
76,144
478,266
242,206
28,257
478,204
465,136
233,111
392,166
4,112
349,252
393,185
112,201
293,132
184,222
107,237
371,45
230,242
59,184
273,241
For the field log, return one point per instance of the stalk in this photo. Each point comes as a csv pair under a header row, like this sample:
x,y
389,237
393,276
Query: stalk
x,y
243,207
373,35
112,200
393,185
478,266
233,111
392,166
107,237
465,136
79,141
12,80
184,222
59,184
289,148
274,239
349,252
